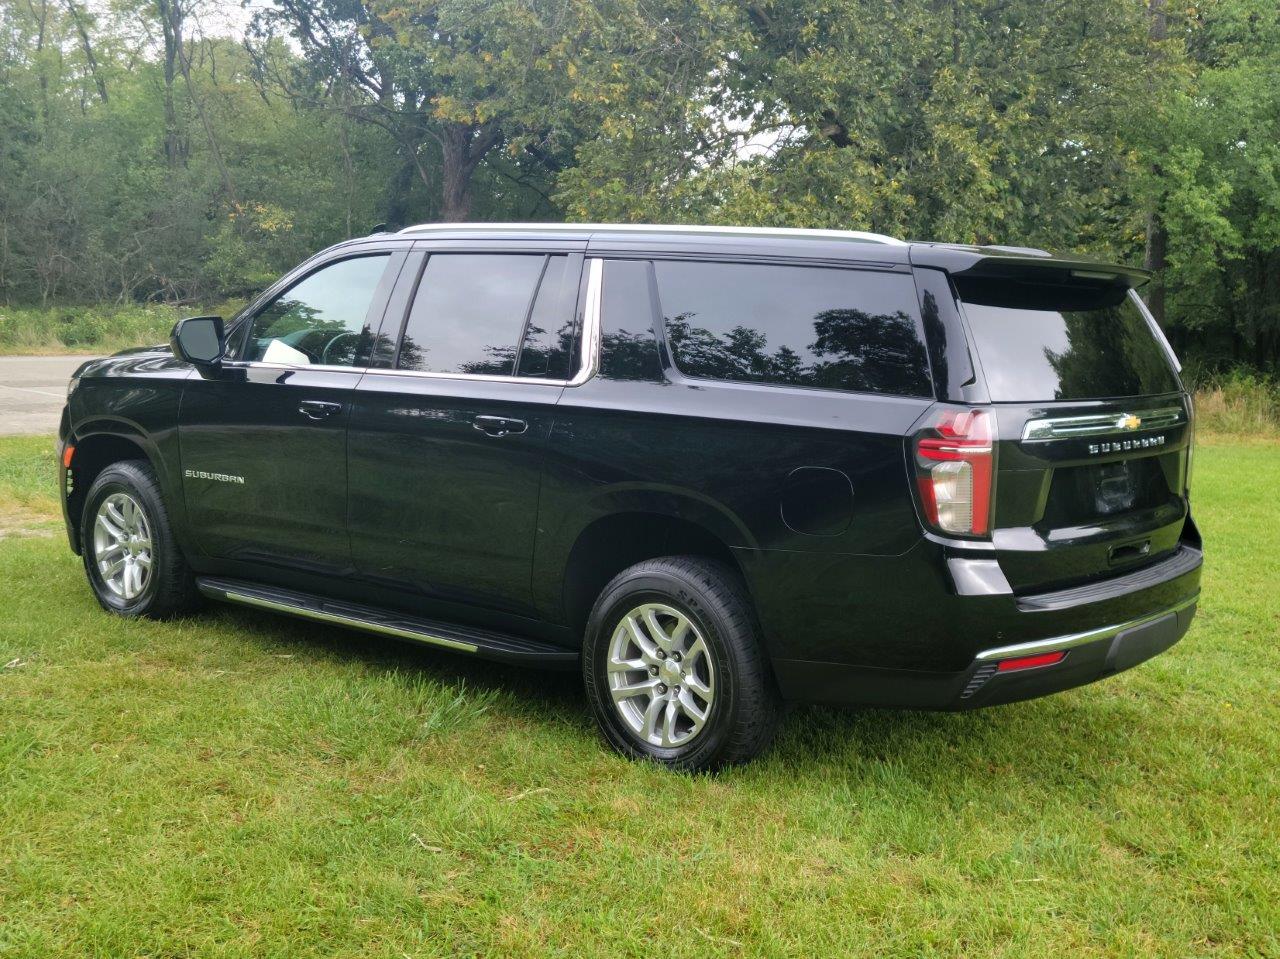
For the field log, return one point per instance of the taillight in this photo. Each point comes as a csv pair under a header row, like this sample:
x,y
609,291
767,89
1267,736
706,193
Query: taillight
x,y
954,468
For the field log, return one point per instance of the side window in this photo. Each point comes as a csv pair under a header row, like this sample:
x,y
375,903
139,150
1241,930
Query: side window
x,y
628,349
483,314
318,320
549,336
838,329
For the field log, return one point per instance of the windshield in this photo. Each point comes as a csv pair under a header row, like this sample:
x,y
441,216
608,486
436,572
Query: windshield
x,y
1063,342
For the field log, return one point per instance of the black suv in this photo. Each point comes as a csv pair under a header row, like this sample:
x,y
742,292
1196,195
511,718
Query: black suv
x,y
716,468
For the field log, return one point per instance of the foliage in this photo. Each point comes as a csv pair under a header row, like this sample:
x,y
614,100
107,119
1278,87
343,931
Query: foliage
x,y
143,159
96,330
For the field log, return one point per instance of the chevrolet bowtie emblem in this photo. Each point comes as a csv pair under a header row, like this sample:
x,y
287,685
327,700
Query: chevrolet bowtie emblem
x,y
1129,422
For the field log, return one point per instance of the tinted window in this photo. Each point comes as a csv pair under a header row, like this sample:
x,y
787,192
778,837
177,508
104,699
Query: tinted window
x,y
800,326
470,312
549,335
1063,343
628,349
319,319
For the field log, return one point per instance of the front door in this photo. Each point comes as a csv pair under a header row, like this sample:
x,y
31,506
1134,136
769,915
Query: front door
x,y
446,447
263,440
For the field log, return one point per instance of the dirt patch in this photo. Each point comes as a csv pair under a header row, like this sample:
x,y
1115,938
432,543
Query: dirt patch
x,y
19,521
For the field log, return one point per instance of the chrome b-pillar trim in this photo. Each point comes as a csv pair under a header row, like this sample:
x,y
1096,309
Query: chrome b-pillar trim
x,y
590,323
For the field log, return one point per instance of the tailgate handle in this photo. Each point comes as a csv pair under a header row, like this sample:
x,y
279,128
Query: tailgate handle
x,y
1130,552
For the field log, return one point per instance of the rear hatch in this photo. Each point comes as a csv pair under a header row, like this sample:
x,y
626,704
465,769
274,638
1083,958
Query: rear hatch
x,y
1092,427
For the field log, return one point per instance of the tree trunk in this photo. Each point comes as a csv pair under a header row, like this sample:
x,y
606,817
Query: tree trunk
x,y
455,173
462,147
1157,245
77,17
171,16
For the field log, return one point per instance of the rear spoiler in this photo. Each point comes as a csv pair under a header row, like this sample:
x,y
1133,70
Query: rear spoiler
x,y
1035,266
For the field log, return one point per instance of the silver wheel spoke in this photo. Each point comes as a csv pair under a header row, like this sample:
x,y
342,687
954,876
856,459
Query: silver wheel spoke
x,y
646,645
628,665
669,723
695,684
630,691
651,715
112,530
656,631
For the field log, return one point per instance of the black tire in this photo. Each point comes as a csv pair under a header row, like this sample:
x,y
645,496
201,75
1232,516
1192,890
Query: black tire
x,y
170,587
745,710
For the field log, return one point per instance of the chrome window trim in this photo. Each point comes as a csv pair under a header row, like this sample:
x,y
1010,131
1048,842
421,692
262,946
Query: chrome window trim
x,y
262,364
1101,424
1056,644
589,351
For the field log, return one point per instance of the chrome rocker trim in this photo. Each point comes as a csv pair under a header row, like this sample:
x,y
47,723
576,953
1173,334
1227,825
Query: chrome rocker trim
x,y
1056,644
340,620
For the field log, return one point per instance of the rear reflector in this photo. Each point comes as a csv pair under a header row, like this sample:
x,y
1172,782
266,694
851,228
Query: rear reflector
x,y
1030,662
67,453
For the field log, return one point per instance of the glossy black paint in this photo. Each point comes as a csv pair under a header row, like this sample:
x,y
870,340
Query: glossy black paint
x,y
504,504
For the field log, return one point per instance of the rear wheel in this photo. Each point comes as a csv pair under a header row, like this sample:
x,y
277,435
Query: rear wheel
x,y
673,666
133,563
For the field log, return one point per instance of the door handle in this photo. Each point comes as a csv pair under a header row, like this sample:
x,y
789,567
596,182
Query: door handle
x,y
318,409
499,425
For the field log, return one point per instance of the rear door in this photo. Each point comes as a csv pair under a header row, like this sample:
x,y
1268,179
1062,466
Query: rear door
x,y
447,441
1093,428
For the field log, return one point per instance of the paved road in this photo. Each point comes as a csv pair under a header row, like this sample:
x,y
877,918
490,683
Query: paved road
x,y
32,391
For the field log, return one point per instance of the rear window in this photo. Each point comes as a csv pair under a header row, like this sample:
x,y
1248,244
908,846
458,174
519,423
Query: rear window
x,y
831,328
486,314
1041,342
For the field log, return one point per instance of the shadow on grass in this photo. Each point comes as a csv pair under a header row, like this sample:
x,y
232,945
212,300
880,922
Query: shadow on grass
x,y
1049,741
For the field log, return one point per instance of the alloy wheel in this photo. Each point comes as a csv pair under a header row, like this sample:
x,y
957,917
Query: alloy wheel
x,y
661,676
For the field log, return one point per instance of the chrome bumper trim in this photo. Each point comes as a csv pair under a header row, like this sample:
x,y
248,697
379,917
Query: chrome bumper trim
x,y
340,620
1060,643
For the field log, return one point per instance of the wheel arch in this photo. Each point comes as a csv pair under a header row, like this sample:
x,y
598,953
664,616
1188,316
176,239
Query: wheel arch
x,y
620,538
99,445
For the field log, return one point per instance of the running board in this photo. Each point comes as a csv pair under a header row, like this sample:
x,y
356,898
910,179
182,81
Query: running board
x,y
463,639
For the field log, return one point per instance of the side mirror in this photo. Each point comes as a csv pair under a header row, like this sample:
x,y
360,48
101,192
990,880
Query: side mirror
x,y
199,341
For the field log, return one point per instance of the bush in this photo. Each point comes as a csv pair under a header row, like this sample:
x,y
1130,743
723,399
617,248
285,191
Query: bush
x,y
92,329
1239,402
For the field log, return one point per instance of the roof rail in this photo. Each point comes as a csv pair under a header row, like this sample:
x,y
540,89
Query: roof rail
x,y
855,235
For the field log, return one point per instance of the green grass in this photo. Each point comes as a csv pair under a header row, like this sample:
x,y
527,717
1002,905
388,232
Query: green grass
x,y
92,329
239,784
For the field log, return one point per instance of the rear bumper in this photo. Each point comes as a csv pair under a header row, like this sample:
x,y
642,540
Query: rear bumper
x,y
1100,631
1088,657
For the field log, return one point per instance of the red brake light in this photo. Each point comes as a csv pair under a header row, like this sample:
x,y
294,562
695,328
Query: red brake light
x,y
954,459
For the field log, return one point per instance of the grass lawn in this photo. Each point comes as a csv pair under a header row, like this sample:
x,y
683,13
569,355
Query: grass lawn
x,y
239,784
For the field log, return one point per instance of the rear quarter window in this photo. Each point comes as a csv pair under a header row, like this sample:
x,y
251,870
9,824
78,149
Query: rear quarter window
x,y
829,328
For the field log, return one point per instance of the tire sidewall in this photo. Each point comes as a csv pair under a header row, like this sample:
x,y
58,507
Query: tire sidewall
x,y
614,603
118,479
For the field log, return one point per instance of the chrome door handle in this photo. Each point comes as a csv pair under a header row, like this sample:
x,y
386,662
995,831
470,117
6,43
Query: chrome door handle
x,y
499,425
318,409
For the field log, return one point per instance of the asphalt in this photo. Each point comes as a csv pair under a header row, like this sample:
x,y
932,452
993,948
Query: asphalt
x,y
33,390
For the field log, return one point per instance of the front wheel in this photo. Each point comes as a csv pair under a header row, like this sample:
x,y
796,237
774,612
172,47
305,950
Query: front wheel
x,y
674,668
133,563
